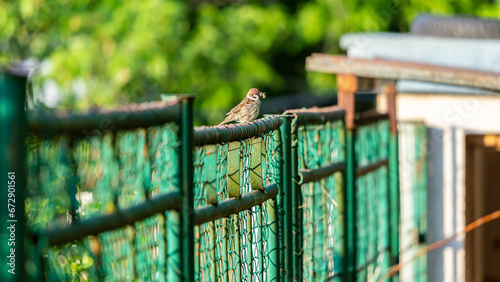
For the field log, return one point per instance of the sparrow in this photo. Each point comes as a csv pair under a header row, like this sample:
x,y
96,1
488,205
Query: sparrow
x,y
248,109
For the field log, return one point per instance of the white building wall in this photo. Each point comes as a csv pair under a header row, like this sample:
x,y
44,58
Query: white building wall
x,y
449,118
408,227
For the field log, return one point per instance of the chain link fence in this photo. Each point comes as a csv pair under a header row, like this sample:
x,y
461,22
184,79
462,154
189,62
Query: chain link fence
x,y
137,193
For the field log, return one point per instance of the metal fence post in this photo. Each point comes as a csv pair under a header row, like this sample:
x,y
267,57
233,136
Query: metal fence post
x,y
274,255
12,176
347,86
187,210
394,199
297,205
287,194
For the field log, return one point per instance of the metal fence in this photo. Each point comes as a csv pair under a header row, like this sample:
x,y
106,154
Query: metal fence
x,y
104,190
318,158
413,175
373,208
137,193
237,170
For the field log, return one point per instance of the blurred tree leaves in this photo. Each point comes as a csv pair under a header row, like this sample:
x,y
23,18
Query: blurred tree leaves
x,y
95,52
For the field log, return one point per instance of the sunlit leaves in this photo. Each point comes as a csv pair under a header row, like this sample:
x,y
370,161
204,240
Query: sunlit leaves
x,y
122,51
312,20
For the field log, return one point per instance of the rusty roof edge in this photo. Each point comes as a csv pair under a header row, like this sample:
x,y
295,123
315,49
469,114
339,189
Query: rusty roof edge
x,y
395,70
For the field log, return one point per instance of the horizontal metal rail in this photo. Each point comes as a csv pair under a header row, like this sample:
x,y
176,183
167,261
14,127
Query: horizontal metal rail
x,y
311,175
371,167
95,122
121,218
14,70
369,117
392,70
317,115
235,132
234,206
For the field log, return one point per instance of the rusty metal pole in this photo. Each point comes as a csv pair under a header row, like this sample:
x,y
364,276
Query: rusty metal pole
x,y
347,86
298,239
394,198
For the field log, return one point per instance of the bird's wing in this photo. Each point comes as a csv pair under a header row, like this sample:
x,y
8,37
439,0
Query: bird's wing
x,y
238,107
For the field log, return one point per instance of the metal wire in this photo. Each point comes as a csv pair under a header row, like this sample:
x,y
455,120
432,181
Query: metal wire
x,y
413,179
320,145
77,178
372,213
234,248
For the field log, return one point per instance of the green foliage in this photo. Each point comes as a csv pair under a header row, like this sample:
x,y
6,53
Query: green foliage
x,y
110,52
72,262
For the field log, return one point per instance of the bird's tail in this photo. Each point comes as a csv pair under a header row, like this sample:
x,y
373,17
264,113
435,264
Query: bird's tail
x,y
226,120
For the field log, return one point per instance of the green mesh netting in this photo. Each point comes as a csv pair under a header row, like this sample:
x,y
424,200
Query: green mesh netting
x,y
71,180
372,207
75,179
322,204
413,179
235,248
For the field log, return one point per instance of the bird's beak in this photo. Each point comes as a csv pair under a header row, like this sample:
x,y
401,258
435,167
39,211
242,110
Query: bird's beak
x,y
262,94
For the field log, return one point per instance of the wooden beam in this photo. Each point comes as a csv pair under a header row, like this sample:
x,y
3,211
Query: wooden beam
x,y
390,92
347,86
395,70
